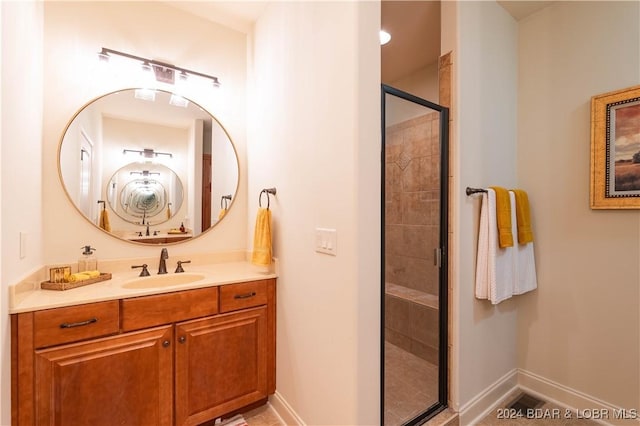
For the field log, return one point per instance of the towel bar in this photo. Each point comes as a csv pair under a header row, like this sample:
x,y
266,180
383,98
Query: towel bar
x,y
267,191
471,191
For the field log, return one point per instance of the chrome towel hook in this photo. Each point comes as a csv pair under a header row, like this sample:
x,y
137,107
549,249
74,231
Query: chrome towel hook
x,y
267,191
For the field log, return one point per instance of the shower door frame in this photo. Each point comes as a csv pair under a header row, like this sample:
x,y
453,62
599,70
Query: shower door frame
x,y
443,285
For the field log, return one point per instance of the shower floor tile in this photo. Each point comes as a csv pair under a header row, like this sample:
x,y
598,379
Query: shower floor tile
x,y
410,386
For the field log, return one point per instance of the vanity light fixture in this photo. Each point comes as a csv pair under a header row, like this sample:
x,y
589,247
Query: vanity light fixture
x,y
145,173
145,94
163,72
179,101
147,153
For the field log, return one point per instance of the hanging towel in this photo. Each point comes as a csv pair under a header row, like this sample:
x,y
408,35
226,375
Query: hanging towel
x,y
502,272
222,213
104,220
494,266
168,212
503,216
523,216
526,279
262,238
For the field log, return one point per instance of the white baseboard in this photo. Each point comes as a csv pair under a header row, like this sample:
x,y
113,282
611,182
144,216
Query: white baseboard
x,y
487,400
577,402
287,414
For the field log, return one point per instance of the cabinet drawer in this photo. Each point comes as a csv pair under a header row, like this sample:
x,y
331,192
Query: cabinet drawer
x,y
149,311
65,325
243,295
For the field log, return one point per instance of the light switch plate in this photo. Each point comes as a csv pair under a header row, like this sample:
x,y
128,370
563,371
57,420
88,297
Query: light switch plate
x,y
326,241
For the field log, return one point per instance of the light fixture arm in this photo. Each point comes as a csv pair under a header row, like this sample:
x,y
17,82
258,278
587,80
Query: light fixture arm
x,y
105,52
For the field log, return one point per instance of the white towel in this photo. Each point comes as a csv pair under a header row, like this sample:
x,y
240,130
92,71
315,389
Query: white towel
x,y
501,272
494,265
526,279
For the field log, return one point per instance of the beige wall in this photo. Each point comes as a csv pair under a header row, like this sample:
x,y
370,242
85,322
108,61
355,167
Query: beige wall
x,y
21,172
484,154
314,134
73,33
581,328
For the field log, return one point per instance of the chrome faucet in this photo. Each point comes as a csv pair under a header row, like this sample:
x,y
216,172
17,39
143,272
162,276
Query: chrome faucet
x,y
147,233
164,255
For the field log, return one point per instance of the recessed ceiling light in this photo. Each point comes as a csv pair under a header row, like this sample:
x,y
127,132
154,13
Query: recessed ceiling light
x,y
384,37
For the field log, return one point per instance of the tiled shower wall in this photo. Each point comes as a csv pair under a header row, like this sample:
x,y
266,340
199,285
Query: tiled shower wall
x,y
412,205
412,221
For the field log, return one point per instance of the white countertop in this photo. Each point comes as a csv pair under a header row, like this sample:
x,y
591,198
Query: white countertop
x,y
27,295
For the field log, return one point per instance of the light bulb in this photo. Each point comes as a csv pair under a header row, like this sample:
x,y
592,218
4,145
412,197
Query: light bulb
x,y
385,37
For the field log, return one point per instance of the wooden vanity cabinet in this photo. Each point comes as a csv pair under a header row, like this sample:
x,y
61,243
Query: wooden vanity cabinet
x,y
122,380
221,364
187,367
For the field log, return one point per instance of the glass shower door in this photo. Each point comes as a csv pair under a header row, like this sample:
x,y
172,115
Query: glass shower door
x,y
414,267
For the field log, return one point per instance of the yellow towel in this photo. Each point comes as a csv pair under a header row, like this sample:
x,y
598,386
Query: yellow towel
x,y
523,217
262,238
222,213
168,212
503,217
91,274
79,276
104,220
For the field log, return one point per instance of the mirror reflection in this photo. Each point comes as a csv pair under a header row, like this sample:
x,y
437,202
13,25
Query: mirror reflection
x,y
141,193
164,166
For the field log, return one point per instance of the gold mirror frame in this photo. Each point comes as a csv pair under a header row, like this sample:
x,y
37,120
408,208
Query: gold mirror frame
x,y
220,217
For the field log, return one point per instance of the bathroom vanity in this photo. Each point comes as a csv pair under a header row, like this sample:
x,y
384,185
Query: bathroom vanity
x,y
153,354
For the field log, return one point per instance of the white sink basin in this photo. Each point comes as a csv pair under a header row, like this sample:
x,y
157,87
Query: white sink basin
x,y
159,281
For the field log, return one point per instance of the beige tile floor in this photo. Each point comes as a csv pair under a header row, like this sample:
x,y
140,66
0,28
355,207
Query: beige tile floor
x,y
263,416
266,416
411,385
555,416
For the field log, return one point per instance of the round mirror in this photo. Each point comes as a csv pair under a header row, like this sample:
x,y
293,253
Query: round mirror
x,y
148,166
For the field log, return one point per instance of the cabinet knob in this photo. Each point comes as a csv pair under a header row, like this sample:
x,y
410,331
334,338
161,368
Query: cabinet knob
x,y
166,343
182,339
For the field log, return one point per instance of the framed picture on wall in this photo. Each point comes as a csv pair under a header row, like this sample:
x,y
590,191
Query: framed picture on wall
x,y
615,149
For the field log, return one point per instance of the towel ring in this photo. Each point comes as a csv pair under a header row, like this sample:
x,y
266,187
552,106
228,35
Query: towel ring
x,y
267,191
224,202
104,204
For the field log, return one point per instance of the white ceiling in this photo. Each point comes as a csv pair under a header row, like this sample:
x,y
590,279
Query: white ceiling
x,y
414,26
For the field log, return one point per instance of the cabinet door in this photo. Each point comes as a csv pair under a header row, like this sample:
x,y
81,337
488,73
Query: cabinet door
x,y
221,364
121,380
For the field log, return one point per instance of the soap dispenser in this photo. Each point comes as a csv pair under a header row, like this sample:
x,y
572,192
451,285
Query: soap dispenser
x,y
87,262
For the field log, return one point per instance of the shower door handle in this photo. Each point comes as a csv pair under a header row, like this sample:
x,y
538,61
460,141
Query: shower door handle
x,y
437,257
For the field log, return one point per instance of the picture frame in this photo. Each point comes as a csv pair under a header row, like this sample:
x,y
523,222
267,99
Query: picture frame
x,y
615,150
